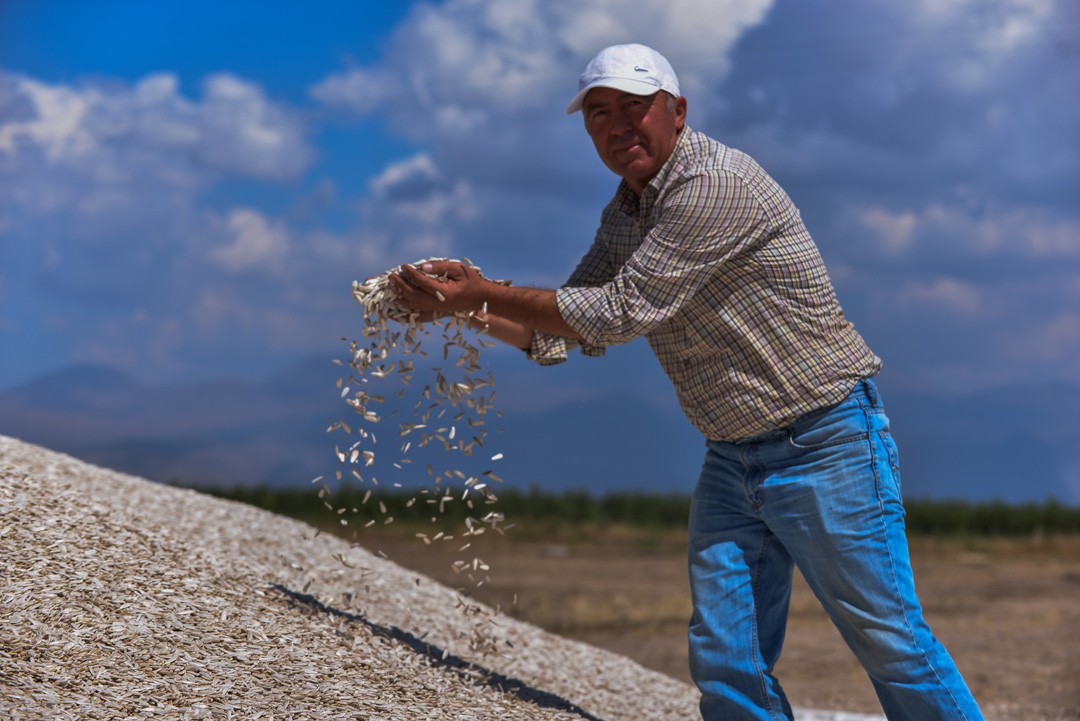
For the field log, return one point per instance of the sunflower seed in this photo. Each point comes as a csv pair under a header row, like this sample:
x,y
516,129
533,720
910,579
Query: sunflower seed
x,y
387,351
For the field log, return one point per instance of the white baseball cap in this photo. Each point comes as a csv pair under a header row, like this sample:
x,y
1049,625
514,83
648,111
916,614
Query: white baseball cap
x,y
632,68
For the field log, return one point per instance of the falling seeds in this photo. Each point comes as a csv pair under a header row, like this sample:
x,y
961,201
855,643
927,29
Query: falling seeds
x,y
390,349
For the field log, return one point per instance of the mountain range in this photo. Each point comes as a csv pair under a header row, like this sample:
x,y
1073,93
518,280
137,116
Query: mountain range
x,y
1013,444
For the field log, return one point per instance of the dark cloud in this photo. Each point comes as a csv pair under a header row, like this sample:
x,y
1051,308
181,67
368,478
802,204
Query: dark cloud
x,y
952,102
932,149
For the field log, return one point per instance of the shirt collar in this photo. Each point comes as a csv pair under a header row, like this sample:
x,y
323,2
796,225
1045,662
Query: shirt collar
x,y
658,180
629,202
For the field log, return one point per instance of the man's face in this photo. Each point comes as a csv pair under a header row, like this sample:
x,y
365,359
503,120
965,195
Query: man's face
x,y
634,134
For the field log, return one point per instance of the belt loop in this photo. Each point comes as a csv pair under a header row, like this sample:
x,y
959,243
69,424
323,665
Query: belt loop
x,y
870,388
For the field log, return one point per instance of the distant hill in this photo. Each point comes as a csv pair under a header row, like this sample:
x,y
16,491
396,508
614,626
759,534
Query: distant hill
x,y
1014,444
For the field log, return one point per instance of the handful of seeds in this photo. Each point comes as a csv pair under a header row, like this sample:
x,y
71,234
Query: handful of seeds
x,y
380,299
448,414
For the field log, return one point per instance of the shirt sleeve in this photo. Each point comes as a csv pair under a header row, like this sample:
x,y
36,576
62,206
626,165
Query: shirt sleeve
x,y
548,349
701,224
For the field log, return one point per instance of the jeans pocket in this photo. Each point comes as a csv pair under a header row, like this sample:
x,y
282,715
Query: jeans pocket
x,y
839,426
893,458
846,422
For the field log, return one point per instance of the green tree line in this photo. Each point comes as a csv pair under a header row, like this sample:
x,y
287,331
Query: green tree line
x,y
654,511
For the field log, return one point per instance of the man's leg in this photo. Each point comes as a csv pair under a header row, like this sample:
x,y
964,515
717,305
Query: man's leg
x,y
740,579
843,521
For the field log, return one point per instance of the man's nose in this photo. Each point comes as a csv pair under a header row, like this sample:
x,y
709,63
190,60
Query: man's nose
x,y
621,122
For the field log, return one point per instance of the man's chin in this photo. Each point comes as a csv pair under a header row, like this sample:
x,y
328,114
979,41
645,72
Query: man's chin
x,y
635,171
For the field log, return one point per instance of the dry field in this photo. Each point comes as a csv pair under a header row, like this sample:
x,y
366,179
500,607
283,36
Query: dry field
x,y
127,599
1008,610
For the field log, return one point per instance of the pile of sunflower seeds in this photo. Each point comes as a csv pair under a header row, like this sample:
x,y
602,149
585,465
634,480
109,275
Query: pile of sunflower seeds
x,y
127,599
449,414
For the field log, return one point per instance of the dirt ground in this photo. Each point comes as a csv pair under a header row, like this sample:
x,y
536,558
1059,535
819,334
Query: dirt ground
x,y
1008,611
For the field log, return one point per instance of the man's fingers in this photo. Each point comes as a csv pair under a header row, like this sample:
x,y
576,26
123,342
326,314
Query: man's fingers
x,y
408,270
412,296
449,268
404,288
445,270
417,279
442,286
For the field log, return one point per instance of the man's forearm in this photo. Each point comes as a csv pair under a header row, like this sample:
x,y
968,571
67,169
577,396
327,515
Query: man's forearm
x,y
508,331
446,286
533,308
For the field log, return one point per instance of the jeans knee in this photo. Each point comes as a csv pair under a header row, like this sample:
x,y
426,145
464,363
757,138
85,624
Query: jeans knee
x,y
895,655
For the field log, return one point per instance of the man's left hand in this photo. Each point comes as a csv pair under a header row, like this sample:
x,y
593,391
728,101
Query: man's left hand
x,y
457,287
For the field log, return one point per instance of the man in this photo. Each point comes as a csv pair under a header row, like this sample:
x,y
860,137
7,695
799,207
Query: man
x,y
703,254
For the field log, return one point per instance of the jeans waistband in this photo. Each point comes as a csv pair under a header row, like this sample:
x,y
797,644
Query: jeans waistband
x,y
865,387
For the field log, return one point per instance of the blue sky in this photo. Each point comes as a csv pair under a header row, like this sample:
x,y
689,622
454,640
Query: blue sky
x,y
187,190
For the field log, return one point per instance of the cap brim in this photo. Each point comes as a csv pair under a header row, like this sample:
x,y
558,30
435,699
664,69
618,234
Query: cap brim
x,y
627,85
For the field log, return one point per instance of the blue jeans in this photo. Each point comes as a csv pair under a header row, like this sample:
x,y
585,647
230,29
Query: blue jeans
x,y
823,493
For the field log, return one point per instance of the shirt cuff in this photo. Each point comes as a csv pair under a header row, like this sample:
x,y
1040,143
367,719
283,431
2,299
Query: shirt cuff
x,y
548,349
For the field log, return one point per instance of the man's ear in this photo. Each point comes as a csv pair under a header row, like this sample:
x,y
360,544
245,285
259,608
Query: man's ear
x,y
680,113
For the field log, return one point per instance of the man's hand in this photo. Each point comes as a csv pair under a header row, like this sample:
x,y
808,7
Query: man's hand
x,y
461,288
458,288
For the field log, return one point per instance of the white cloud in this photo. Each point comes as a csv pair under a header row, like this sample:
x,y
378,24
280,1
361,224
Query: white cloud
x,y
410,212
1053,340
411,177
254,243
57,125
977,297
915,95
415,212
1011,234
457,204
246,134
466,64
104,204
895,231
482,86
999,26
105,147
930,131
945,295
973,41
103,181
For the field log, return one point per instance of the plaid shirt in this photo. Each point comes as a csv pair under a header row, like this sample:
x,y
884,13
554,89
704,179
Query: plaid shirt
x,y
713,265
